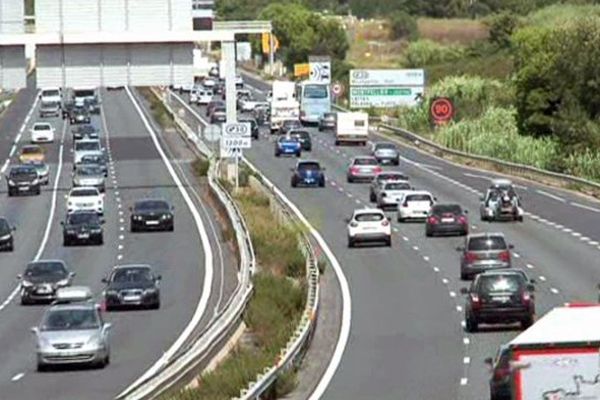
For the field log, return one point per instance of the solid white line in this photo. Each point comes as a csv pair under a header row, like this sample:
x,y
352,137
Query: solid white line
x,y
550,195
530,266
4,166
208,256
487,178
585,207
17,377
593,243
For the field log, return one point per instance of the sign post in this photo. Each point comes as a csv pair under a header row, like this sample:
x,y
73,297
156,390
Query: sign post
x,y
320,69
386,87
235,137
441,110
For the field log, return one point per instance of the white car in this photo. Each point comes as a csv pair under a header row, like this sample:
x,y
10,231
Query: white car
x,y
251,105
51,95
391,193
85,198
84,147
369,225
201,96
415,205
42,132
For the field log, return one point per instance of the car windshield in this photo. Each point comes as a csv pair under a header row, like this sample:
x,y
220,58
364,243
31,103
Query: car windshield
x,y
447,209
151,205
315,91
50,93
397,186
385,146
418,197
84,93
290,139
4,226
92,159
46,269
87,146
365,161
369,217
82,218
84,192
391,176
31,150
500,283
132,275
85,129
89,170
70,319
219,109
49,104
23,172
309,166
41,127
487,243
301,134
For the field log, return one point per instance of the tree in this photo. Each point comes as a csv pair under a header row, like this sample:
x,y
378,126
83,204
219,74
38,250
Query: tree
x,y
558,82
403,26
501,27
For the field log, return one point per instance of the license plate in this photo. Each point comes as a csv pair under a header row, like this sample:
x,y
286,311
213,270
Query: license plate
x,y
447,220
501,299
23,188
44,290
83,236
132,299
151,222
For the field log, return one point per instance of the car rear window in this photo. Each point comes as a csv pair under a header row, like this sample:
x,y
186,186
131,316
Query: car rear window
x,y
369,217
365,161
31,150
87,146
41,127
418,197
500,283
447,209
487,243
152,205
380,146
397,186
301,134
391,176
308,166
84,192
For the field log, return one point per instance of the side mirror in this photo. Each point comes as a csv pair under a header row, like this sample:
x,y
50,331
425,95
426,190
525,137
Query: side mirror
x,y
107,326
531,288
35,330
19,276
435,199
72,274
158,277
489,361
460,248
347,220
102,221
104,280
466,211
464,290
511,246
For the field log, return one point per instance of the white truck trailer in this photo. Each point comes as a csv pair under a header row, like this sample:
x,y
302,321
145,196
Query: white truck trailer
x,y
284,105
352,127
557,358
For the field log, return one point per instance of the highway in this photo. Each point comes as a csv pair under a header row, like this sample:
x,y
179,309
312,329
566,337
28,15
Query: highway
x,y
407,339
194,284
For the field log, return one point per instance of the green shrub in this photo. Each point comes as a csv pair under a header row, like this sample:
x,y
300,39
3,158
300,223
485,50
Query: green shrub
x,y
585,164
501,28
403,26
200,166
558,14
425,52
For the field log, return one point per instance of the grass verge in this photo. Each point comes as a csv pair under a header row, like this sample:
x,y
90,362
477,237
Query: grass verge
x,y
158,109
272,313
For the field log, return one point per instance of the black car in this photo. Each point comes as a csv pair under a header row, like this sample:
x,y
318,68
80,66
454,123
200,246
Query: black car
x,y
212,105
500,381
289,125
152,214
85,132
42,279
308,173
6,235
78,115
23,179
499,297
218,114
262,113
253,127
447,219
96,160
303,138
132,286
328,122
82,226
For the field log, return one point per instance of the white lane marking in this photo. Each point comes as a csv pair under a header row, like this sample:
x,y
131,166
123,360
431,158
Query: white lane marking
x,y
415,248
593,243
576,234
463,323
349,195
436,269
208,256
459,308
550,195
466,360
4,166
466,341
445,281
122,229
18,137
13,149
487,178
530,266
120,247
357,201
516,255
426,258
405,238
542,278
583,206
120,257
463,381
17,377
121,237
554,290
452,294
121,213
121,220
567,230
429,166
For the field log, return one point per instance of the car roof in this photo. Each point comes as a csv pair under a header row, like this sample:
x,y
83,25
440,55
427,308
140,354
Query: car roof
x,y
48,260
307,161
32,146
484,234
128,266
74,294
82,188
501,182
368,210
419,192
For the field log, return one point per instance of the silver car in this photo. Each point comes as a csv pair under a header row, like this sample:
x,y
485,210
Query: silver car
x,y
72,333
363,168
49,109
43,171
391,194
381,178
89,175
386,152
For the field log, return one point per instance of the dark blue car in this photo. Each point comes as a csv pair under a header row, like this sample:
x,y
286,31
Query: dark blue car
x,y
308,173
286,145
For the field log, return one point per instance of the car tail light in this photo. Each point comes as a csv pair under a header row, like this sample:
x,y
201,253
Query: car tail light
x,y
354,170
378,169
405,204
353,224
475,300
432,220
385,222
462,219
526,298
504,256
471,257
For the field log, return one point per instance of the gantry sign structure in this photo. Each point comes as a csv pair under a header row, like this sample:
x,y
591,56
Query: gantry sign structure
x,y
104,43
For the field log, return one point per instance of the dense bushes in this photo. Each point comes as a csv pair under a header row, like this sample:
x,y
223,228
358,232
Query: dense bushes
x,y
403,26
426,52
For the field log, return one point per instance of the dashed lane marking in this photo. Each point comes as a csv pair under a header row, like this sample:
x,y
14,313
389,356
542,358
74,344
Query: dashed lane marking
x,y
551,196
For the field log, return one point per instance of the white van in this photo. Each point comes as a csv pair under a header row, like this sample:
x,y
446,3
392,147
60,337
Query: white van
x,y
352,127
201,96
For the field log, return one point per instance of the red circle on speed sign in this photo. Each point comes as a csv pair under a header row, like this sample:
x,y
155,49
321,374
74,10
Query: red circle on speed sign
x,y
441,110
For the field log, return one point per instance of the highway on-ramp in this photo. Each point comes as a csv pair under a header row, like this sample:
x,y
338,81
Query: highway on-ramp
x,y
138,338
407,339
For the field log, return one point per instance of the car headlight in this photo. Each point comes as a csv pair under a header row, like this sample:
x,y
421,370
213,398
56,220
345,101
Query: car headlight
x,y
165,216
137,217
43,343
71,231
5,237
94,341
11,182
150,291
111,292
62,282
25,283
35,182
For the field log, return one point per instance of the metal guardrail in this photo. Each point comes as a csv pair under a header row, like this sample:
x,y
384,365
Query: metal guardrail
x,y
189,357
511,168
244,26
291,355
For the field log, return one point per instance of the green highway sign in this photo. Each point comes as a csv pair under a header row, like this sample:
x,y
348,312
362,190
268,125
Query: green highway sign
x,y
364,91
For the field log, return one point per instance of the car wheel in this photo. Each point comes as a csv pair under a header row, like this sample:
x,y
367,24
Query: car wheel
x,y
471,324
372,197
322,183
520,219
400,219
337,142
10,193
276,154
350,242
389,242
41,367
428,233
100,241
25,301
463,276
293,183
397,162
155,306
11,247
349,179
298,154
38,191
527,322
171,227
